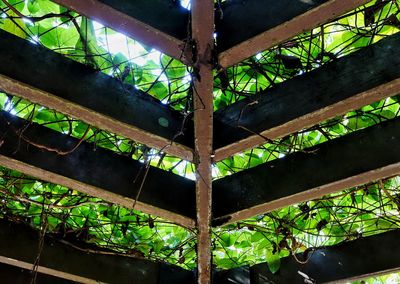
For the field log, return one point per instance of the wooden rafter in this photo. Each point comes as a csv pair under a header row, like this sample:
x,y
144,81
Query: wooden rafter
x,y
354,159
360,79
155,23
346,162
100,173
15,274
264,25
19,247
51,80
342,263
202,33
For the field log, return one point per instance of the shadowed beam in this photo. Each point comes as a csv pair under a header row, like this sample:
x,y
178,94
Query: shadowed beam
x,y
345,262
354,159
94,171
347,83
49,79
203,39
19,247
17,275
159,24
266,23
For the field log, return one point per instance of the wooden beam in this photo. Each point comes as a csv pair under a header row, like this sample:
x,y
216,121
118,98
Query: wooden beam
x,y
49,79
158,24
359,79
17,275
263,25
203,38
19,247
342,263
96,172
355,159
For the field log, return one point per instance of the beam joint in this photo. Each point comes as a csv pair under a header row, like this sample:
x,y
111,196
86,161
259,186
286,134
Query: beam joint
x,y
203,39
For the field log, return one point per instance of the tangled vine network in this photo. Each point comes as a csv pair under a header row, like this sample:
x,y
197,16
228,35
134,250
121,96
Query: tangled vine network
x,y
78,219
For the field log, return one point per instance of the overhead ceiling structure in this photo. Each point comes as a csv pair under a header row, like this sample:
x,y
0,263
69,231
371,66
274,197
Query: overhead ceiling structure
x,y
212,41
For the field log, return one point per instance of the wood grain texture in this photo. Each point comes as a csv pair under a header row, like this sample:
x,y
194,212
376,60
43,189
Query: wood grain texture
x,y
59,83
95,171
343,85
352,160
19,247
159,24
266,23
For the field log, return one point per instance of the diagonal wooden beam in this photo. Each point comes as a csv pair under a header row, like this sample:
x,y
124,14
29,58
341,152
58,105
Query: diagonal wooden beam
x,y
355,159
263,25
19,247
158,24
203,37
97,172
359,79
49,79
14,274
343,263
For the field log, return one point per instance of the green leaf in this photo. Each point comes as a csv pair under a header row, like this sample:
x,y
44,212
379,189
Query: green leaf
x,y
273,261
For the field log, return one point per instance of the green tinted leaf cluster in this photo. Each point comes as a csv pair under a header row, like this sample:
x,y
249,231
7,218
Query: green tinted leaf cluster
x,y
362,211
99,138
364,117
101,48
308,51
77,218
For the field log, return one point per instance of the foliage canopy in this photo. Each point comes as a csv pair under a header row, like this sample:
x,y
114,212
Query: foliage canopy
x,y
362,211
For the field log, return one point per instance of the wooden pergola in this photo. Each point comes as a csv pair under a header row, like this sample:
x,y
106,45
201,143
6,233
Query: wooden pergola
x,y
99,100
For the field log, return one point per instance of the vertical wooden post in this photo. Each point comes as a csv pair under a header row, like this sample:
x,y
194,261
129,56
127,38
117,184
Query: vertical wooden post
x,y
203,42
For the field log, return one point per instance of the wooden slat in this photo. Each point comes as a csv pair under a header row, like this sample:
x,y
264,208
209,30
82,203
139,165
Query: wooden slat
x,y
158,24
19,247
96,172
202,32
49,79
348,83
266,23
17,275
342,263
355,159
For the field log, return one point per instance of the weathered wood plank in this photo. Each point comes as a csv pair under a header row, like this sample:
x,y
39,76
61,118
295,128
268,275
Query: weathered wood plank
x,y
19,247
158,24
17,275
202,32
345,84
266,23
345,262
49,79
96,172
352,160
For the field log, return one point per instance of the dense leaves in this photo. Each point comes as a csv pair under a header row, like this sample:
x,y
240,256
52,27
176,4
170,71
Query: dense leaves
x,y
78,218
308,51
360,28
99,138
361,211
46,23
367,116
